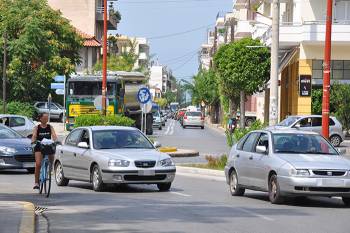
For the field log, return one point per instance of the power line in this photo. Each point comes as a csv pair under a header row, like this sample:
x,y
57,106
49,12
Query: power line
x,y
179,33
185,63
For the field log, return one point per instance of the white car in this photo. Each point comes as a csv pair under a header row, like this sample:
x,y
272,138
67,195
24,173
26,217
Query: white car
x,y
21,124
112,155
193,119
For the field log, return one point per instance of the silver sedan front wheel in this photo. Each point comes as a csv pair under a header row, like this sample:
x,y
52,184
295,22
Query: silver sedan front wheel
x,y
97,182
61,180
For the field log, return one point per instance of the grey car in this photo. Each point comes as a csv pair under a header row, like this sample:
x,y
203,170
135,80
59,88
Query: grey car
x,y
288,163
21,124
56,110
193,119
15,150
157,120
112,155
314,123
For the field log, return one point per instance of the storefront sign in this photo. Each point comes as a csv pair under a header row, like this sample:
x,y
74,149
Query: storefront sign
x,y
305,85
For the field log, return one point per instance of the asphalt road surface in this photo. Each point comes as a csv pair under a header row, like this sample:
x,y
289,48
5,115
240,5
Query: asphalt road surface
x,y
193,205
207,142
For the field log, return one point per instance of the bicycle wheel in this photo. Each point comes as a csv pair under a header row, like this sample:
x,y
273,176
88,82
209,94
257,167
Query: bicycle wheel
x,y
43,176
48,179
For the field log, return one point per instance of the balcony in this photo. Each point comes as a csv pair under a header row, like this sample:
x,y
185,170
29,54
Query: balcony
x,y
292,34
143,56
243,29
113,17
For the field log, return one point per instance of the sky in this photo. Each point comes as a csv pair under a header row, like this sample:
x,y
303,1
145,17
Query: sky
x,y
158,18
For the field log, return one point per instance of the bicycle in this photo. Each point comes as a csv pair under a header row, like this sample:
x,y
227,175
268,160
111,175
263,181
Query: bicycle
x,y
46,167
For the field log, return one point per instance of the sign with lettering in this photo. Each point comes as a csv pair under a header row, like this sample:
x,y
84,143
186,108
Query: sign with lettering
x,y
305,85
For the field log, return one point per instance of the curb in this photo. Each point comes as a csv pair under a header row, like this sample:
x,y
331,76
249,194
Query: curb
x,y
200,171
219,129
181,153
28,218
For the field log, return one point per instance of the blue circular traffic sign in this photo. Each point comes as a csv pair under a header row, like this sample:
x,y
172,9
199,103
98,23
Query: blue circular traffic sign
x,y
144,95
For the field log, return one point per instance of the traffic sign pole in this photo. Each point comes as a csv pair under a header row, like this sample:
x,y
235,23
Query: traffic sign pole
x,y
142,118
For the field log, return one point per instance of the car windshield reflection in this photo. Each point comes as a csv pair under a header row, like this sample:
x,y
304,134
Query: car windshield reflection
x,y
302,144
120,139
6,133
288,121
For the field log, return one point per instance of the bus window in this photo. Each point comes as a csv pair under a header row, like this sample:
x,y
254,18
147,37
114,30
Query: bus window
x,y
91,88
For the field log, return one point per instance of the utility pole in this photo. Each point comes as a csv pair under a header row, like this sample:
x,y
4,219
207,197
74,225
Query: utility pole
x,y
327,71
274,63
4,79
232,24
104,68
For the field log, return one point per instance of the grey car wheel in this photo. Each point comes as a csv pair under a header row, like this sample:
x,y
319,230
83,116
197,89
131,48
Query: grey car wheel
x,y
346,201
163,187
335,140
274,190
235,189
59,175
96,178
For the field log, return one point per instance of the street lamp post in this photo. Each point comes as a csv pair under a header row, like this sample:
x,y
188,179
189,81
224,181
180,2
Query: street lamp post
x,y
327,71
4,74
274,64
104,68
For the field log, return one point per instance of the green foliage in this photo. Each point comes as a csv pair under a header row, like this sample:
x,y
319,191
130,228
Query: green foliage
x,y
232,138
170,96
19,108
205,87
339,103
316,101
41,44
162,102
92,120
241,67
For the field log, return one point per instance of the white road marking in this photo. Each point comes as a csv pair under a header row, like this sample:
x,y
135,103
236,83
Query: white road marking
x,y
256,214
172,128
181,194
168,128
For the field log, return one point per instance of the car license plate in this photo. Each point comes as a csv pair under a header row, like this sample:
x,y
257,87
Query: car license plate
x,y
146,173
29,165
333,182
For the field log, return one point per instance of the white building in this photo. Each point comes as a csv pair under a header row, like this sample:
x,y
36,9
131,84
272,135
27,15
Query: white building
x,y
160,80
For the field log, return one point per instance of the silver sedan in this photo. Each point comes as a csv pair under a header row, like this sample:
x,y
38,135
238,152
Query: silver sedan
x,y
112,155
288,163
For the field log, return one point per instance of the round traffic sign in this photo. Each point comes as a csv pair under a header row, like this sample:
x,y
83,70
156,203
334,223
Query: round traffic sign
x,y
144,95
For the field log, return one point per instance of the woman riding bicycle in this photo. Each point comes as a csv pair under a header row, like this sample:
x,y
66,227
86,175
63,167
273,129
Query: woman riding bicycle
x,y
40,132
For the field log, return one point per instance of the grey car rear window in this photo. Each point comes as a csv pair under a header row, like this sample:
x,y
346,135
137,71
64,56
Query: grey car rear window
x,y
196,114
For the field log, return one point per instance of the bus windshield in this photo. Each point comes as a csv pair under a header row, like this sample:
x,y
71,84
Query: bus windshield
x,y
90,88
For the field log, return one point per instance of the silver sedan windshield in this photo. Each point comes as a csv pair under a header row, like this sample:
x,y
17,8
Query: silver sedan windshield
x,y
302,144
117,139
288,121
6,133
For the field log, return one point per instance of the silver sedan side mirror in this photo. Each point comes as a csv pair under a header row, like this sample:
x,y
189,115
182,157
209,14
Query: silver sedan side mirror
x,y
261,149
157,144
83,145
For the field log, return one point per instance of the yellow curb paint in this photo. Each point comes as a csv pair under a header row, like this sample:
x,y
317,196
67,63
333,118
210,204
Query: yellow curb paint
x,y
168,149
28,218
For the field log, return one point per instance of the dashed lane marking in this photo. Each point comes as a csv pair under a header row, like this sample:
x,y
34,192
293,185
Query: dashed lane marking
x,y
181,194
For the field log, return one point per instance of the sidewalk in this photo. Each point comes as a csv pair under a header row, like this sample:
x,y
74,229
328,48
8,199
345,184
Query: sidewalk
x,y
17,217
216,127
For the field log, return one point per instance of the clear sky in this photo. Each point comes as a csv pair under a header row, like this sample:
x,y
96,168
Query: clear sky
x,y
154,18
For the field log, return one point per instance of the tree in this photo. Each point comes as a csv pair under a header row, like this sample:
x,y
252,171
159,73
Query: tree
x,y
41,44
243,68
161,101
170,96
205,87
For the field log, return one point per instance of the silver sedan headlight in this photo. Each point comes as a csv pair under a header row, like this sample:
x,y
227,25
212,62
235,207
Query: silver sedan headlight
x,y
300,172
4,150
166,162
118,163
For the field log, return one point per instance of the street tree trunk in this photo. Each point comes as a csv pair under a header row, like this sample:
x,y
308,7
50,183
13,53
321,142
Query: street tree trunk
x,y
242,108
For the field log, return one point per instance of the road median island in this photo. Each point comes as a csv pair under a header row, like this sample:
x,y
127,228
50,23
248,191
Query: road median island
x,y
17,217
183,169
183,153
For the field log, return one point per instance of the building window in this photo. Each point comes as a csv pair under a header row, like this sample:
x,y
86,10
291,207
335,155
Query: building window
x,y
342,10
340,69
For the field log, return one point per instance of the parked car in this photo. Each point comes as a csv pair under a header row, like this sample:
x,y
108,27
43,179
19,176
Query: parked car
x,y
194,119
15,150
157,120
314,123
21,124
112,155
288,163
56,110
163,118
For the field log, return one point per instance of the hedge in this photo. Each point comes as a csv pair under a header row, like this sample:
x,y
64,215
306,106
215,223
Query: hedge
x,y
19,108
92,120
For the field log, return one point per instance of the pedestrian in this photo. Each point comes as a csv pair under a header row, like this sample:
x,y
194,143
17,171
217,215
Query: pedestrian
x,y
232,123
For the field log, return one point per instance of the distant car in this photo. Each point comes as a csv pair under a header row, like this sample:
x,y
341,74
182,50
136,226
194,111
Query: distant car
x,y
157,120
163,118
314,123
15,150
56,110
180,114
21,124
288,163
112,155
194,119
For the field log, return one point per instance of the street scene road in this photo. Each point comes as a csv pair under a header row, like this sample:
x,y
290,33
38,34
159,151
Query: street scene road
x,y
193,205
